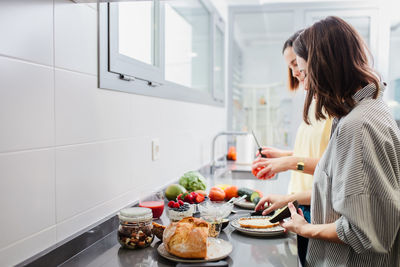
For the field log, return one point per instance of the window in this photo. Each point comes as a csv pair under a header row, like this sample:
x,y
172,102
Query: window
x,y
187,44
134,40
171,49
136,34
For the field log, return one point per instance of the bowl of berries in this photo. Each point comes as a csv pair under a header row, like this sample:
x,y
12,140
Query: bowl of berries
x,y
177,210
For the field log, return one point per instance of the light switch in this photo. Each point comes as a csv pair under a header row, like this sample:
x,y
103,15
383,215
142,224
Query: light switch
x,y
155,148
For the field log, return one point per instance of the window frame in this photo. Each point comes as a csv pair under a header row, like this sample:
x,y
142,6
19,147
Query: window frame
x,y
153,83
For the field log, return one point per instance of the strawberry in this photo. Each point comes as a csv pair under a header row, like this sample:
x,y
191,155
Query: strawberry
x,y
186,198
179,197
171,204
191,199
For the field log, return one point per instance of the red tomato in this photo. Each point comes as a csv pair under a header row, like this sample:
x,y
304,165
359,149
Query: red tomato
x,y
216,194
256,170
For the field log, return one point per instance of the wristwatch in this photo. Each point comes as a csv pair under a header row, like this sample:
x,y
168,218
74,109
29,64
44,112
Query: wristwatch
x,y
300,166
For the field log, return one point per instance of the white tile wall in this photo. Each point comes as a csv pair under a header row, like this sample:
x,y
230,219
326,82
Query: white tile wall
x,y
26,105
72,154
146,115
86,114
127,179
175,118
26,30
91,216
27,247
88,175
27,191
75,35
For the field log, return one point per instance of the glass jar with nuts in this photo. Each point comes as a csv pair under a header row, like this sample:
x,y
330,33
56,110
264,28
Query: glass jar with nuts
x,y
135,226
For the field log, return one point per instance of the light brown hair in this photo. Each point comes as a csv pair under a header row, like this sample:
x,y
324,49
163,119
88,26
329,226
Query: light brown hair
x,y
293,82
337,66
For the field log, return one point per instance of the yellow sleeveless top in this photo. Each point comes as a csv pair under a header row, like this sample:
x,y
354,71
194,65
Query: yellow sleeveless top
x,y
311,141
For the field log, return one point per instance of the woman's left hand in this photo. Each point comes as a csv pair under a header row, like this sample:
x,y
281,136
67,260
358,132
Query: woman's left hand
x,y
270,166
297,222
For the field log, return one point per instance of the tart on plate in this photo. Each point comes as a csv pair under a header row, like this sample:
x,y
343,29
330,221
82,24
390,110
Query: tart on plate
x,y
256,223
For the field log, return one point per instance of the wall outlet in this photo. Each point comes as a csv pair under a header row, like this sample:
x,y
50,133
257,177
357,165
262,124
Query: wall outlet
x,y
155,149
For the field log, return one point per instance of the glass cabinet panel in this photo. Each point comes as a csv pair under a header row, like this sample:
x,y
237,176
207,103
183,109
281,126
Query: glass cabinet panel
x,y
187,44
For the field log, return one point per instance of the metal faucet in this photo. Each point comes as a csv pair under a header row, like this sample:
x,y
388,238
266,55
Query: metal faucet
x,y
213,165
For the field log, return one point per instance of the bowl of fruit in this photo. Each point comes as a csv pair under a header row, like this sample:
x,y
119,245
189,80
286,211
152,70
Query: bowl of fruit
x,y
177,210
184,206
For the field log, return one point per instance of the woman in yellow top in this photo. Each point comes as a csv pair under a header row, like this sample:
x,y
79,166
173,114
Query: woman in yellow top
x,y
311,141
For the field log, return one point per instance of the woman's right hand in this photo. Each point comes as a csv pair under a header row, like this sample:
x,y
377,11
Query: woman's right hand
x,y
266,168
272,152
274,202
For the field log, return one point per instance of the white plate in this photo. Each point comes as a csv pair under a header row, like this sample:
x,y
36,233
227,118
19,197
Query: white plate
x,y
244,204
272,231
217,249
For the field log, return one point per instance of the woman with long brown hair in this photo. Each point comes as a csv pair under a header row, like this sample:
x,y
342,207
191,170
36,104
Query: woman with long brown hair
x,y
355,201
310,143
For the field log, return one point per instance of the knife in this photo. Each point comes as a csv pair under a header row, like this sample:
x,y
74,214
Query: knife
x,y
201,264
258,144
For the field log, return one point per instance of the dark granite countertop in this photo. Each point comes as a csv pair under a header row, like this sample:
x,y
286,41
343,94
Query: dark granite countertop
x,y
247,250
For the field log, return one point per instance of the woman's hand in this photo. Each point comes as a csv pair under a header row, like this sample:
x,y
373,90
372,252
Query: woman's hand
x,y
268,167
301,227
274,202
297,224
272,152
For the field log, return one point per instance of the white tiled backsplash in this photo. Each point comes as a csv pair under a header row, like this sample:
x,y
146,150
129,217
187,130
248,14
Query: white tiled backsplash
x,y
70,153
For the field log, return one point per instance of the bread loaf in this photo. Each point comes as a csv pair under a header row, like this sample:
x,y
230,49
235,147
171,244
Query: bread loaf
x,y
187,238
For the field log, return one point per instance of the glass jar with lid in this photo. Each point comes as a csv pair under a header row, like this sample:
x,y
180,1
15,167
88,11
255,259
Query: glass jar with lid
x,y
135,226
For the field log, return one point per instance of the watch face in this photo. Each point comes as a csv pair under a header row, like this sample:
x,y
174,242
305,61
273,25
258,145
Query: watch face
x,y
300,166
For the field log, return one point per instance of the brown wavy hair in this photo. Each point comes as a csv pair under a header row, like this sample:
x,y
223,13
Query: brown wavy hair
x,y
337,67
293,82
